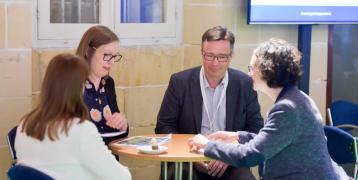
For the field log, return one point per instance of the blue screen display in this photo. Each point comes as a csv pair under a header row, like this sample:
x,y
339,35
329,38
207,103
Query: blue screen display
x,y
303,12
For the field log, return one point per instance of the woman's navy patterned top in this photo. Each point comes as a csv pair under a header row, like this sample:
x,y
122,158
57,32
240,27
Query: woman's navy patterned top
x,y
97,103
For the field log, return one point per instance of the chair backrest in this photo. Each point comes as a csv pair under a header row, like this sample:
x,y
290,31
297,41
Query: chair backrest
x,y
20,172
341,145
11,142
344,113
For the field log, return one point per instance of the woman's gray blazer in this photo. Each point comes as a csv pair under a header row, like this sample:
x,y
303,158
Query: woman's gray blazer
x,y
291,145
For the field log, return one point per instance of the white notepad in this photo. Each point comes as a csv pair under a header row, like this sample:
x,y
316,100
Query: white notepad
x,y
113,134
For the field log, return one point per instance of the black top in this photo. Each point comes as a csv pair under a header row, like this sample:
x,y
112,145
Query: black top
x,y
101,103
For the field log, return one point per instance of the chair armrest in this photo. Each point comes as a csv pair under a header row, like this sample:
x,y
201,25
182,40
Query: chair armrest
x,y
347,126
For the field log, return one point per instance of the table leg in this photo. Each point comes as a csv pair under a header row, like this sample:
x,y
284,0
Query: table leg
x,y
190,170
166,170
180,170
176,171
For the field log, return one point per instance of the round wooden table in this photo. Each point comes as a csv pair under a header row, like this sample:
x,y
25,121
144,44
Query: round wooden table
x,y
178,152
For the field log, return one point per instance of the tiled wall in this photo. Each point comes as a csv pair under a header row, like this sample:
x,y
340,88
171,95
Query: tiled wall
x,y
141,79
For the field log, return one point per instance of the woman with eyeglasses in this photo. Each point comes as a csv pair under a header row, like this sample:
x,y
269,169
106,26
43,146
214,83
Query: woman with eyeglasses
x,y
292,143
99,47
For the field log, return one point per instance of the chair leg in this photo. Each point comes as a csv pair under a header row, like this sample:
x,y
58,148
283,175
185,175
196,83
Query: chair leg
x,y
329,117
355,172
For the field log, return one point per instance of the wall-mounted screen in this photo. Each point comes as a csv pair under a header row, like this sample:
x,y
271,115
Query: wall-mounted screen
x,y
303,12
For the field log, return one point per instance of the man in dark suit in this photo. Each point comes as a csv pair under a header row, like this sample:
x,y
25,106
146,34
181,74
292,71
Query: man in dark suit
x,y
210,98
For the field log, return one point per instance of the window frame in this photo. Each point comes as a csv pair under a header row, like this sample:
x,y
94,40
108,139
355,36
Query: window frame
x,y
155,33
62,35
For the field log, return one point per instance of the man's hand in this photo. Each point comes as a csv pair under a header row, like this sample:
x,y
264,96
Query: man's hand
x,y
217,168
117,121
201,167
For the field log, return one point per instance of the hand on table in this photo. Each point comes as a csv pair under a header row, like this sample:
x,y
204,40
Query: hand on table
x,y
117,121
214,168
224,136
197,142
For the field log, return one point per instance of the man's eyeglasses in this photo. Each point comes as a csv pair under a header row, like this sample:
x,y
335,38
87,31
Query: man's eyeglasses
x,y
109,57
220,57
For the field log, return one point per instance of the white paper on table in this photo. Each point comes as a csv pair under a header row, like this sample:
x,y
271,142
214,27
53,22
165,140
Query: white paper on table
x,y
113,134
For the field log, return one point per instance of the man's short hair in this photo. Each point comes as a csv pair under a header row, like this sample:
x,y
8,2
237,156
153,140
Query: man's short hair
x,y
218,33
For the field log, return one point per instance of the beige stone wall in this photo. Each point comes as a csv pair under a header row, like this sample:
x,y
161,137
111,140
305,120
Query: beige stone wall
x,y
15,70
141,79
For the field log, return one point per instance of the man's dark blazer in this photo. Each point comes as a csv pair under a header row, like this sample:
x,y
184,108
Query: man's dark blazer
x,y
181,109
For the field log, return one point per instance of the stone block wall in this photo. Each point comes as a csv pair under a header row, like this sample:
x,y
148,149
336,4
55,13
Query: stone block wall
x,y
142,77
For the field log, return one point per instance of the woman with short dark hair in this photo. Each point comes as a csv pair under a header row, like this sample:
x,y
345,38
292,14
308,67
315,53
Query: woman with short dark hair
x,y
292,144
278,62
